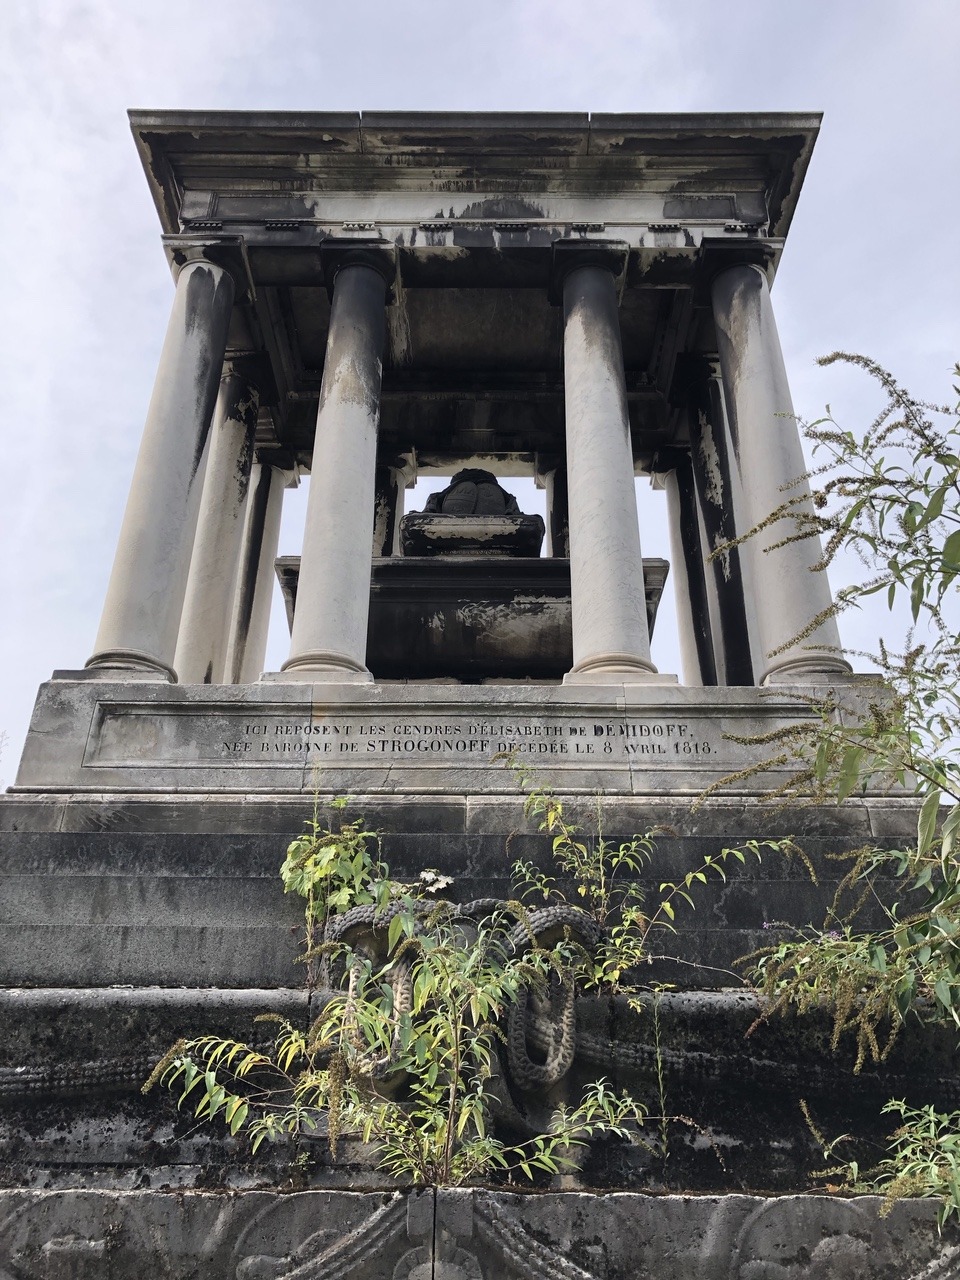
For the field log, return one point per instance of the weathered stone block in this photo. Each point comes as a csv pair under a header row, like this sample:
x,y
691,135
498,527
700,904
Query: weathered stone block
x,y
465,1235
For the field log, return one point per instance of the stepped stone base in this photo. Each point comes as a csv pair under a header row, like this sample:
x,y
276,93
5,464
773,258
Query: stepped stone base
x,y
140,852
142,841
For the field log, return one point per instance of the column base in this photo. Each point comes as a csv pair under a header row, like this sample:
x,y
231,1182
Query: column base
x,y
637,676
316,675
320,667
821,669
616,668
128,664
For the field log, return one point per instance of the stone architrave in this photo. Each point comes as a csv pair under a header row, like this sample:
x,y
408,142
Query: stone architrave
x,y
798,639
201,648
333,601
141,614
610,636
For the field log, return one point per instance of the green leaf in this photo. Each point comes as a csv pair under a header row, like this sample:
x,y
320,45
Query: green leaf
x,y
934,506
917,594
394,931
849,771
951,552
949,830
927,822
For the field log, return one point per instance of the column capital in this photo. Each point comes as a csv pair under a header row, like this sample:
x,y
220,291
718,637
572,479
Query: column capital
x,y
664,460
696,369
545,464
570,255
254,368
229,253
337,252
406,467
718,255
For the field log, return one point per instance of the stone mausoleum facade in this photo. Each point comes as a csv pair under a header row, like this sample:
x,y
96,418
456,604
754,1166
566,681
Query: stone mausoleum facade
x,y
369,300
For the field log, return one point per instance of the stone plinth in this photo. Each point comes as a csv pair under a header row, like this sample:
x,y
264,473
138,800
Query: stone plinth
x,y
470,617
622,739
142,842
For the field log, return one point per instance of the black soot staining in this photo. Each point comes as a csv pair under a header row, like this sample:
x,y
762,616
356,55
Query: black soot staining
x,y
249,568
209,292
505,207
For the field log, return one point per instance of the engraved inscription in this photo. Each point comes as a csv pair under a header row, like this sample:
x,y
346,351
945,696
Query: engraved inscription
x,y
251,738
469,738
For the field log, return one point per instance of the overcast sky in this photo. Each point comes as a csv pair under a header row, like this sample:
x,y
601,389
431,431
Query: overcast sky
x,y
871,264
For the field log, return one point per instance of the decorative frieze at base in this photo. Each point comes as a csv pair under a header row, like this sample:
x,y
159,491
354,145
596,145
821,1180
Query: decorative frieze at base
x,y
466,1235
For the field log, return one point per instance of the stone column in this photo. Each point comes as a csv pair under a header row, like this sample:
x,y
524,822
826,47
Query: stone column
x,y
256,574
141,615
610,637
797,642
694,628
393,477
387,499
333,594
717,487
207,607
551,476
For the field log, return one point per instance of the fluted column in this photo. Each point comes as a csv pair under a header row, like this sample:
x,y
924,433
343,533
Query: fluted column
x,y
610,637
141,614
202,643
789,595
256,575
333,593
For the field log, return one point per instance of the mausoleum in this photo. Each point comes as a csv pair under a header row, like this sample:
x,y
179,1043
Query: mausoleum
x,y
466,299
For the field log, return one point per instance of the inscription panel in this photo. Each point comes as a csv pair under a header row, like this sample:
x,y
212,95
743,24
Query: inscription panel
x,y
93,736
256,737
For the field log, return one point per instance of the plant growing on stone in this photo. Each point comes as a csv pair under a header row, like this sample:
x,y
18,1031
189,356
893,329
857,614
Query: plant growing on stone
x,y
923,1160
334,869
605,876
891,497
403,1054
